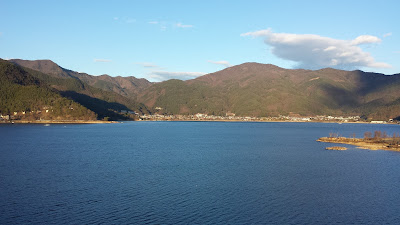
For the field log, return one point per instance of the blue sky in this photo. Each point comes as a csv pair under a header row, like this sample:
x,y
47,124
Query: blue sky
x,y
159,40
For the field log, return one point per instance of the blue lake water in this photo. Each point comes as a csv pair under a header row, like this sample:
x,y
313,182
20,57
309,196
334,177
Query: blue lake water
x,y
194,173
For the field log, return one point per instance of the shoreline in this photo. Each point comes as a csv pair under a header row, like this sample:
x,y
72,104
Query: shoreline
x,y
361,143
266,121
57,122
101,121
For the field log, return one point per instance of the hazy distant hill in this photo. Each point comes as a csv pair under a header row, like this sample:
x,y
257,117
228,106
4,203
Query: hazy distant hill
x,y
25,96
103,97
262,90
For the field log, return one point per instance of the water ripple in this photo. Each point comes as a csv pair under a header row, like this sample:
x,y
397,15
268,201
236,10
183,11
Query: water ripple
x,y
193,173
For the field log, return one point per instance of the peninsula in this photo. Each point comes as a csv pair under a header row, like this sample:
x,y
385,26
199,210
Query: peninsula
x,y
378,142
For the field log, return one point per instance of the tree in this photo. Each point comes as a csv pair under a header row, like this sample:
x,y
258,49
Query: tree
x,y
377,135
367,135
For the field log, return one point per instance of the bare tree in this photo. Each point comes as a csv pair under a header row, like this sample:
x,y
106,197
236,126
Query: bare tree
x,y
396,140
333,135
367,135
377,135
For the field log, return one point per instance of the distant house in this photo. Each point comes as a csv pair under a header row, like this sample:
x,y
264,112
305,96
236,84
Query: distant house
x,y
200,115
379,122
230,114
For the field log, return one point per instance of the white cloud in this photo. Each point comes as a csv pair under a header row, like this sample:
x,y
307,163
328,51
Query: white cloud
x,y
102,60
164,75
165,24
365,39
116,18
157,73
330,48
180,25
387,34
312,51
259,33
148,65
223,63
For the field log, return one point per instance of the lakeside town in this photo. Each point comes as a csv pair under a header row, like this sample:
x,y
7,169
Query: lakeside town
x,y
40,116
280,118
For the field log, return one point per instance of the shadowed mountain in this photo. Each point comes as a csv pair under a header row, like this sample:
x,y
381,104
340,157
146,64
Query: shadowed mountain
x,y
103,108
125,86
82,87
24,96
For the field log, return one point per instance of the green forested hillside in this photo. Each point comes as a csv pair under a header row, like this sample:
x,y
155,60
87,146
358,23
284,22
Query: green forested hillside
x,y
265,90
24,96
106,103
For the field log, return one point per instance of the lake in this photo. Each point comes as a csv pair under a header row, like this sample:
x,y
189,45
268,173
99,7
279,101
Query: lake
x,y
194,173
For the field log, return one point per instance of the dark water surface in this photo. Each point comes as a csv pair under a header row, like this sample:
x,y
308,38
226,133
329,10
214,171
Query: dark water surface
x,y
194,173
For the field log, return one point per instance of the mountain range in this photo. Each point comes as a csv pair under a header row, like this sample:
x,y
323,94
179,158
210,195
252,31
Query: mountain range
x,y
249,89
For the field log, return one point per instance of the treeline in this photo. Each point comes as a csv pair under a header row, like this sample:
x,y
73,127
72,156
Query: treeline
x,y
392,141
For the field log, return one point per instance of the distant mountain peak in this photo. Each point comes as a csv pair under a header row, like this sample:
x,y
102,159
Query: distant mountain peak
x,y
35,62
241,71
259,65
